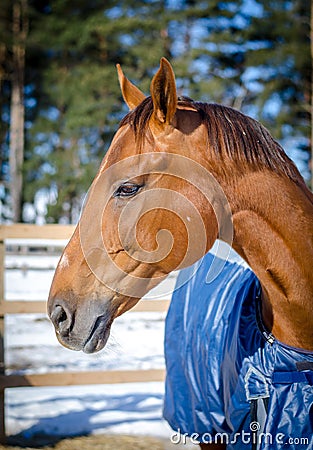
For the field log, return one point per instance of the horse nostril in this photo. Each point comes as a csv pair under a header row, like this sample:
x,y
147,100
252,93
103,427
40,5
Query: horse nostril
x,y
62,320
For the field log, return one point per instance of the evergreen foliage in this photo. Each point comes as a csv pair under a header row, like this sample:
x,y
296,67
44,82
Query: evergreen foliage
x,y
250,54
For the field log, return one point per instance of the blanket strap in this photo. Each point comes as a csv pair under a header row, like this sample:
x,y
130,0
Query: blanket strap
x,y
258,415
293,377
257,394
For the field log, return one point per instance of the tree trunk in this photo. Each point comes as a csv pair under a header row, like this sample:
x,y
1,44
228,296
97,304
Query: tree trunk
x,y
19,29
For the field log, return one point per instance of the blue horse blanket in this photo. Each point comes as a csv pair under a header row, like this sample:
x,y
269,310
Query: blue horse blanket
x,y
227,378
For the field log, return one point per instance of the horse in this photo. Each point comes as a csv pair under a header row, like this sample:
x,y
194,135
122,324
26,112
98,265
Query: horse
x,y
178,175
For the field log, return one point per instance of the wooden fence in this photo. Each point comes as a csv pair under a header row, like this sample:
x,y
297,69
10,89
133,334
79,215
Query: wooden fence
x,y
21,231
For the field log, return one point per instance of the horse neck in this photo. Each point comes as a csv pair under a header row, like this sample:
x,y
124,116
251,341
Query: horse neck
x,y
273,232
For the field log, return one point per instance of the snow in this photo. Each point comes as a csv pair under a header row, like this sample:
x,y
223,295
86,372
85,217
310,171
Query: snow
x,y
136,342
133,408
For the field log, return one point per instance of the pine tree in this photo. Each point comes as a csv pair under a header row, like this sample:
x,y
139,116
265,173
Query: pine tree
x,y
225,52
19,33
80,104
209,59
5,70
278,40
254,56
14,21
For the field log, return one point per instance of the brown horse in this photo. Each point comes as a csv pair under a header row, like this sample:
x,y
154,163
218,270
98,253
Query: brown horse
x,y
178,175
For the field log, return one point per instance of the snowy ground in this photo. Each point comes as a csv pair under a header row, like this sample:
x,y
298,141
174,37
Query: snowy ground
x,y
136,342
134,408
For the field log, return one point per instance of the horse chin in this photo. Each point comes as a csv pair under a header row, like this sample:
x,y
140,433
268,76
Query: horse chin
x,y
99,335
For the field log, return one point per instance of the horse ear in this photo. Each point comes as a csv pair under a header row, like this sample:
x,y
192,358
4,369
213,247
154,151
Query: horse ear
x,y
163,92
131,94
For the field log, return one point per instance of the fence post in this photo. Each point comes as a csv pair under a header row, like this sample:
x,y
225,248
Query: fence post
x,y
2,357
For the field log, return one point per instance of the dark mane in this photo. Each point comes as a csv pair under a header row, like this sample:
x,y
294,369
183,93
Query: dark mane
x,y
242,138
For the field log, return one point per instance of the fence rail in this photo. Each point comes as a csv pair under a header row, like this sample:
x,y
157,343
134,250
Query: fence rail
x,y
60,232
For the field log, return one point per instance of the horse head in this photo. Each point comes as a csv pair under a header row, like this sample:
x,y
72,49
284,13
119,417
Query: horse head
x,y
153,207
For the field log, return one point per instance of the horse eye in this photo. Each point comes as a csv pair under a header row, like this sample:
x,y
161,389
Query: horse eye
x,y
127,190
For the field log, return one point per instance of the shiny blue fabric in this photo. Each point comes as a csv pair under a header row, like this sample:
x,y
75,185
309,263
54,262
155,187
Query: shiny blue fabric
x,y
218,362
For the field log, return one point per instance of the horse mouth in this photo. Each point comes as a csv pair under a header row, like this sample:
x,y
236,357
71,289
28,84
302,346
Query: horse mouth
x,y
98,336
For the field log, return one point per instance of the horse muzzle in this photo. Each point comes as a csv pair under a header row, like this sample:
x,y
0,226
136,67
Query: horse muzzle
x,y
86,327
